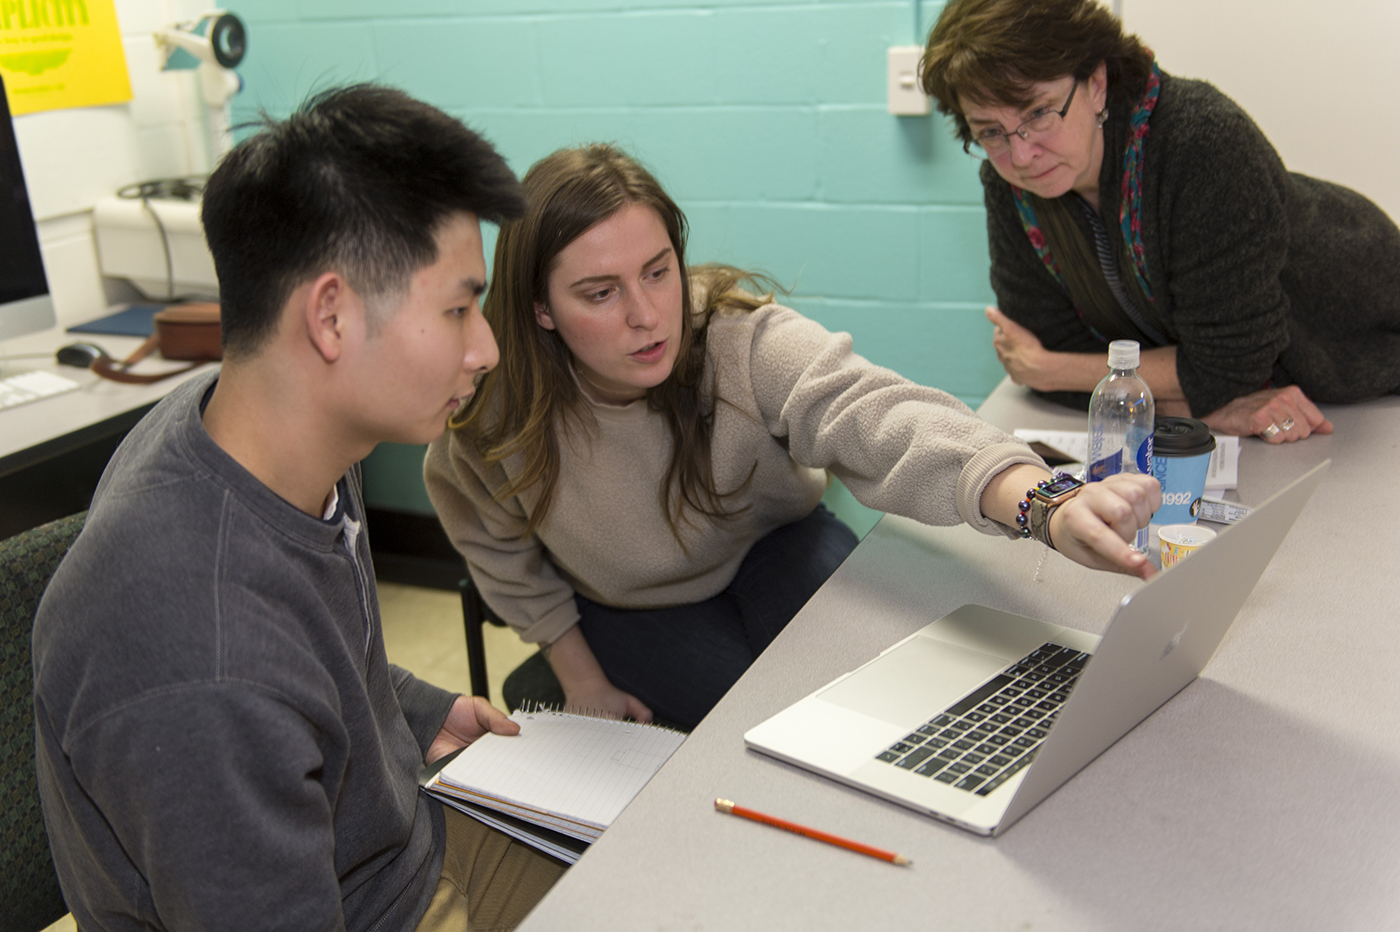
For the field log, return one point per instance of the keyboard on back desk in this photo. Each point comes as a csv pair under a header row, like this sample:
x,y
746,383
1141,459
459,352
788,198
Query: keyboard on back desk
x,y
993,733
31,386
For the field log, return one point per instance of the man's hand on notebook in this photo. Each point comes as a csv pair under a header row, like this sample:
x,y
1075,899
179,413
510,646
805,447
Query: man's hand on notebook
x,y
469,718
1095,527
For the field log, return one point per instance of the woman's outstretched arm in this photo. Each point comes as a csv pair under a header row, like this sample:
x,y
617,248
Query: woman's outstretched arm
x,y
1095,527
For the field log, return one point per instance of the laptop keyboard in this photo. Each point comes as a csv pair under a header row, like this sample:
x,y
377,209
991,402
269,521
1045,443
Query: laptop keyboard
x,y
991,734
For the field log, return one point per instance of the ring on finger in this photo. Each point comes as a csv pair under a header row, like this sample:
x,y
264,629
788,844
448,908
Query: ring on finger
x,y
1287,424
1272,431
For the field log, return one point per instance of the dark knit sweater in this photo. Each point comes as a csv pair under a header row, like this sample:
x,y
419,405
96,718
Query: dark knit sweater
x,y
222,743
1261,276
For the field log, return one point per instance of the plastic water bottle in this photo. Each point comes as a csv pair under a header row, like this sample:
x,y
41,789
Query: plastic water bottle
x,y
1121,422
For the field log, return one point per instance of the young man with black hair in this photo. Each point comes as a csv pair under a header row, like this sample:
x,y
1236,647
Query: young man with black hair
x,y
222,743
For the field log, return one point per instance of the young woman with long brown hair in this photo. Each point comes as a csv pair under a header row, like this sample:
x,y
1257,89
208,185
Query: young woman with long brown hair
x,y
637,486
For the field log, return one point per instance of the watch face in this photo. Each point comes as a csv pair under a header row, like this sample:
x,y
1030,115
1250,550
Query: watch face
x,y
1060,486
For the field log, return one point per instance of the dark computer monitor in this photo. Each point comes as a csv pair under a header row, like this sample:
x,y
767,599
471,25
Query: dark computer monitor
x,y
25,305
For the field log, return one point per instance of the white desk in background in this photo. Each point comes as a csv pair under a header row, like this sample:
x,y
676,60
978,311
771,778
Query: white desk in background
x,y
33,433
1266,795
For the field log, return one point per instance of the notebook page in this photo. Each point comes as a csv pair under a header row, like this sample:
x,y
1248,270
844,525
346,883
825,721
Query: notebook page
x,y
572,766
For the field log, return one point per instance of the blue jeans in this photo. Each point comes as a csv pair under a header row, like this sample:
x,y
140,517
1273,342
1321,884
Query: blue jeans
x,y
681,660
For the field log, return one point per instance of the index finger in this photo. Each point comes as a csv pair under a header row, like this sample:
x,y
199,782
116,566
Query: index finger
x,y
1090,541
1108,517
1118,553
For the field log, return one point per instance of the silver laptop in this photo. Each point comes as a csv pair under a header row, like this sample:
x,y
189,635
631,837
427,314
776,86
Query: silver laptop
x,y
977,717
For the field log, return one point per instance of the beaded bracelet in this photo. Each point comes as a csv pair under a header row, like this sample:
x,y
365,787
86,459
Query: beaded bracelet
x,y
1022,521
1029,528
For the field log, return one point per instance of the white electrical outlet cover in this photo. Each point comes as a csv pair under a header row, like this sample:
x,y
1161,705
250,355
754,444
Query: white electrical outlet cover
x,y
906,97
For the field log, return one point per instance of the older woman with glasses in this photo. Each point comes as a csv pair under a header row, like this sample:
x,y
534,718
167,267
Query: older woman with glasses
x,y
1124,203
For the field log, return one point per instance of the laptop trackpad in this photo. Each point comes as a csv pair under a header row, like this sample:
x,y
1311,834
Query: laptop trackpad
x,y
913,682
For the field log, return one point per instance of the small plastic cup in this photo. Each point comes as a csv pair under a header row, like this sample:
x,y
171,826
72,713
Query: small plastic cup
x,y
1181,540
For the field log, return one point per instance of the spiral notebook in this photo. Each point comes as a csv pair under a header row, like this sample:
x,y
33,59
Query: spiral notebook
x,y
568,774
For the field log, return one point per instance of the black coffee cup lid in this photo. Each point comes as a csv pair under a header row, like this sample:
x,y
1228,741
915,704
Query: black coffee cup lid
x,y
1181,436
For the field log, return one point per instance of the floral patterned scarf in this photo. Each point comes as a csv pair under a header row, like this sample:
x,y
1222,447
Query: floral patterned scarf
x,y
1130,205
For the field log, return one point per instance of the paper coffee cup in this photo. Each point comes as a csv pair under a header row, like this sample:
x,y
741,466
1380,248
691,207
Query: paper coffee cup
x,y
1181,449
1181,540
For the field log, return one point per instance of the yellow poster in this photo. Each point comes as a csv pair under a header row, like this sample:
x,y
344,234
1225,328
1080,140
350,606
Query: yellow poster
x,y
61,53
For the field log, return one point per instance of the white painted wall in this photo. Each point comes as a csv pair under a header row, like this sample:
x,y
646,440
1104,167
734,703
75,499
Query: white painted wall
x,y
1317,77
73,157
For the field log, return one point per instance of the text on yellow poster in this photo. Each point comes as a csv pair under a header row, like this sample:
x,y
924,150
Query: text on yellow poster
x,y
61,53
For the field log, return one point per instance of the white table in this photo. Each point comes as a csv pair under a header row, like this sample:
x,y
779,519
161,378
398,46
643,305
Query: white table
x,y
1265,796
41,430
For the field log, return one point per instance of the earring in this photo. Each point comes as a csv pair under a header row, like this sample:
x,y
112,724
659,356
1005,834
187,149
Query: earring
x,y
1103,116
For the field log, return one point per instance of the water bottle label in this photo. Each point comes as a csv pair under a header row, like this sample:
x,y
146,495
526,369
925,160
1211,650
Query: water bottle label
x,y
1144,457
1108,466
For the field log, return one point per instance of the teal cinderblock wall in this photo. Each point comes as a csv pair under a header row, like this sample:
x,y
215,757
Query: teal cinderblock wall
x,y
765,121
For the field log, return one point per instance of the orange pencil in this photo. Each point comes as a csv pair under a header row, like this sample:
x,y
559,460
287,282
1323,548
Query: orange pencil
x,y
725,805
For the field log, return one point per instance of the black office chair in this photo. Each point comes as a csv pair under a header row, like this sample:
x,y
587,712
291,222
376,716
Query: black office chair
x,y
532,682
30,897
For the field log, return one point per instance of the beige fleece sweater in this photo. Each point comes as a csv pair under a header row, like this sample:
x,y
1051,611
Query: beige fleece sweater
x,y
799,402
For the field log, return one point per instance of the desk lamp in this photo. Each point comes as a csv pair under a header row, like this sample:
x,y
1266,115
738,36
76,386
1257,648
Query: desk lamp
x,y
214,44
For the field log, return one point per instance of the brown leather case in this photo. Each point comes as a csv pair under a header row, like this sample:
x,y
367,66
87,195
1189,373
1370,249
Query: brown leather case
x,y
183,332
189,331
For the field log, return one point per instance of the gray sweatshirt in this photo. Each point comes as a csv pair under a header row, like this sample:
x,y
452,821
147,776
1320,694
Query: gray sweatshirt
x,y
222,743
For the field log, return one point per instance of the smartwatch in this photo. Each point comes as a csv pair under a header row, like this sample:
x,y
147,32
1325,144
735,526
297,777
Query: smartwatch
x,y
1044,499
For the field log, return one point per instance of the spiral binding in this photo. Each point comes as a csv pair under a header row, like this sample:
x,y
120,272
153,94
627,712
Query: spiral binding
x,y
534,706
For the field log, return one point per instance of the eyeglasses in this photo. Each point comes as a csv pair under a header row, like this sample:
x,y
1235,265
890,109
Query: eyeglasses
x,y
994,141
